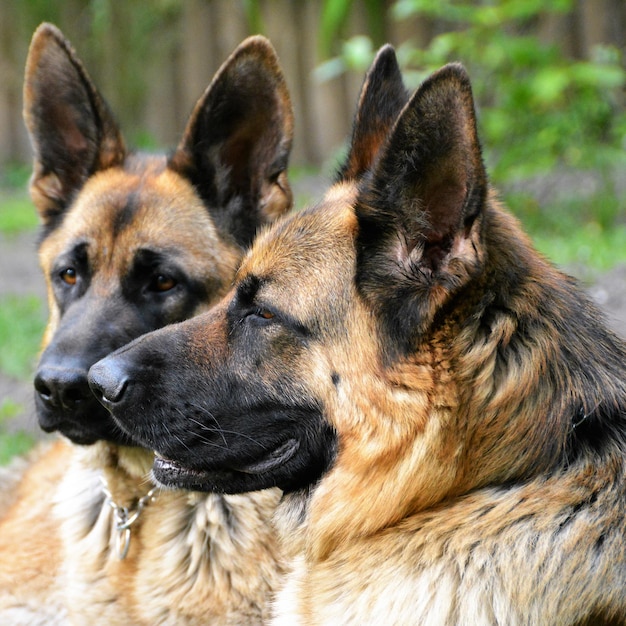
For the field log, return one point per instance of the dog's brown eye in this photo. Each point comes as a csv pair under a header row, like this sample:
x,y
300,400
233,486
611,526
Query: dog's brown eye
x,y
163,283
265,314
68,276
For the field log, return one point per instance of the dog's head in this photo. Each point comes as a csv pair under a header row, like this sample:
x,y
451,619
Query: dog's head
x,y
132,242
393,346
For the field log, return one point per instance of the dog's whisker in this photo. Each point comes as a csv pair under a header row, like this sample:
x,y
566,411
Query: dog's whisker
x,y
210,415
224,432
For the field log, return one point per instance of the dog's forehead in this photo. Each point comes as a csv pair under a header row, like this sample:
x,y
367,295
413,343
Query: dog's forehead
x,y
149,206
312,242
146,201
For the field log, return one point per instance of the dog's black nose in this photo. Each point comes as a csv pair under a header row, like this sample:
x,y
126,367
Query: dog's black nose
x,y
62,388
108,382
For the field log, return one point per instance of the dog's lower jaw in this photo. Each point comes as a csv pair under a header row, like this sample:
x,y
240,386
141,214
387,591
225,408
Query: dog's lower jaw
x,y
171,474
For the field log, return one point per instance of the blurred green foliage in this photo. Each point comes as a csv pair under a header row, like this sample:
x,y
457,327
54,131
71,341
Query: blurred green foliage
x,y
111,29
540,112
538,109
13,444
22,321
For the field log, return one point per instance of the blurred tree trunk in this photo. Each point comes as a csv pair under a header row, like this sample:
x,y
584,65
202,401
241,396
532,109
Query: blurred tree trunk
x,y
198,58
593,19
14,41
7,93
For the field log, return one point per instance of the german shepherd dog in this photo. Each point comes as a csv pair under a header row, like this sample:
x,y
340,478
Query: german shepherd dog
x,y
130,243
443,408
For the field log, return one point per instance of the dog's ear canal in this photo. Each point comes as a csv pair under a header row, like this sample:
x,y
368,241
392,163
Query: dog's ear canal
x,y
382,97
417,207
72,131
236,146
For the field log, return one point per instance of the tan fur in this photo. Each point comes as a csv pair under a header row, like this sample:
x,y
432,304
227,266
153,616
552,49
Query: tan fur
x,y
447,502
29,548
192,560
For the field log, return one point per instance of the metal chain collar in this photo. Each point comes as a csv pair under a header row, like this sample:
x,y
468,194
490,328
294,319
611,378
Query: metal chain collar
x,y
125,517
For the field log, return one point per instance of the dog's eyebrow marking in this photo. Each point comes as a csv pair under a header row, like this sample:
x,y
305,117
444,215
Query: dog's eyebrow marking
x,y
79,250
76,253
126,213
149,257
247,289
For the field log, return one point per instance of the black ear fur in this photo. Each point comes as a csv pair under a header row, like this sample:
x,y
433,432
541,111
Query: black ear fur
x,y
425,192
236,146
382,97
71,128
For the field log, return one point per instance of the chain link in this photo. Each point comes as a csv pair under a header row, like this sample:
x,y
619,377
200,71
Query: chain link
x,y
125,517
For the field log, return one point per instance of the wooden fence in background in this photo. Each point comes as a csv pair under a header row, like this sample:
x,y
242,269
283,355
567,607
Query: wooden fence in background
x,y
152,75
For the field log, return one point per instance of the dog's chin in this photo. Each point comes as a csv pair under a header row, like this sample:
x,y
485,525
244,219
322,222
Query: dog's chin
x,y
261,473
84,432
78,438
86,438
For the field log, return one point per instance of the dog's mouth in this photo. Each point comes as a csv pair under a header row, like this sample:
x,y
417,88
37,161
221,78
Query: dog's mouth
x,y
173,474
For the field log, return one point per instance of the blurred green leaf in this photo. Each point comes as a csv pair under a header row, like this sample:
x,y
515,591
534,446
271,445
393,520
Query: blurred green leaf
x,y
334,16
358,52
549,84
252,11
17,213
9,409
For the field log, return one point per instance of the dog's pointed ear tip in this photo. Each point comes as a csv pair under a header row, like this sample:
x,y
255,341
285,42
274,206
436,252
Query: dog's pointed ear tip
x,y
46,31
48,42
257,46
257,40
386,51
453,71
385,57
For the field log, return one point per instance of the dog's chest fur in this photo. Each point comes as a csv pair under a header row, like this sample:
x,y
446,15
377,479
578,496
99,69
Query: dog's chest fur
x,y
193,558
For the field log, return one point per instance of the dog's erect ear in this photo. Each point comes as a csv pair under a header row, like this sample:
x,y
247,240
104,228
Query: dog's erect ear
x,y
237,142
417,210
71,128
382,97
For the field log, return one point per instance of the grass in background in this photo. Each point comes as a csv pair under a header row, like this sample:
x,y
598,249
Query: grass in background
x,y
583,232
586,251
22,319
22,322
17,214
12,443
